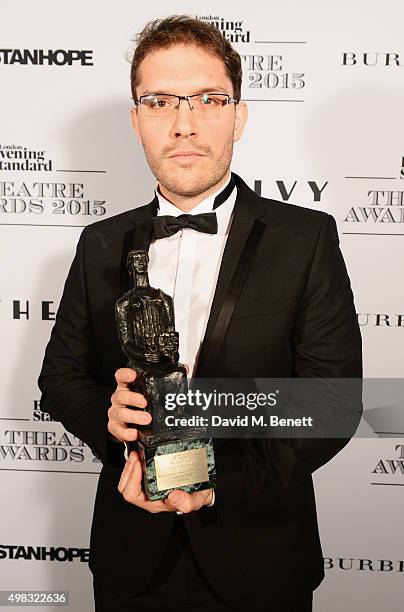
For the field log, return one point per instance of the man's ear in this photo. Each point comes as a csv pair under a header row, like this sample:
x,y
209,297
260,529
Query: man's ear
x,y
135,123
240,120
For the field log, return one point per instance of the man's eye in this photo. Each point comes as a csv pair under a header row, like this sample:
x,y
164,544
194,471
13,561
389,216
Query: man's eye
x,y
209,100
156,103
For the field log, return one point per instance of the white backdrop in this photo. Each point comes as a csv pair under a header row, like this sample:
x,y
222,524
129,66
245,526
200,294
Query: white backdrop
x,y
325,88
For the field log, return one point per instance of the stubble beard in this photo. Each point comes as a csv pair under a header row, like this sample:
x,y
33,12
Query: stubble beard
x,y
186,180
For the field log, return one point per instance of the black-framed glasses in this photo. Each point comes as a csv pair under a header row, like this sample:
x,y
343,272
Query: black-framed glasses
x,y
204,105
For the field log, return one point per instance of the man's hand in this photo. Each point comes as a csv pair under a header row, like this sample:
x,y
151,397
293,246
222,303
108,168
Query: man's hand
x,y
130,485
119,414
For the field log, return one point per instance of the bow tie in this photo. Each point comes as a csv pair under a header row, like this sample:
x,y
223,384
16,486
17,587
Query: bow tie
x,y
167,225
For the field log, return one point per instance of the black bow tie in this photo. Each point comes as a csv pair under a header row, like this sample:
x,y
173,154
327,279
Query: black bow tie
x,y
167,225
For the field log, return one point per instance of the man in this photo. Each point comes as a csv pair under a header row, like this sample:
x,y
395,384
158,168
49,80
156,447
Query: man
x,y
266,295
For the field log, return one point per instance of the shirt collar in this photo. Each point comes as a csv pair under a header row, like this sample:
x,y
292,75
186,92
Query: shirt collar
x,y
223,212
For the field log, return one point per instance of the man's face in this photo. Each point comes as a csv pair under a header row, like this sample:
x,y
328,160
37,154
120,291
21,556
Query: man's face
x,y
186,70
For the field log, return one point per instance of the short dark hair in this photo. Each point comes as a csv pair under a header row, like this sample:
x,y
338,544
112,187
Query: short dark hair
x,y
182,29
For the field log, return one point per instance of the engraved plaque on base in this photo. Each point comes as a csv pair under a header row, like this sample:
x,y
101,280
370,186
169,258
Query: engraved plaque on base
x,y
173,459
181,468
180,464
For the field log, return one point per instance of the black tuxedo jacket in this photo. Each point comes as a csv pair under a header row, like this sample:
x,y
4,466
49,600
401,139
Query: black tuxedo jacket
x,y
283,307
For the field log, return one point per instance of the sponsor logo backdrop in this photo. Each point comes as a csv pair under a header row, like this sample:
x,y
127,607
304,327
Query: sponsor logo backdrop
x,y
324,82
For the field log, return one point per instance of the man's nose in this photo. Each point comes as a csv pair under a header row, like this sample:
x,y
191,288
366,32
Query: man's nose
x,y
183,120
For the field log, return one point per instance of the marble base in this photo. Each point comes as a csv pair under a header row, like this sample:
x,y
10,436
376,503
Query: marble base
x,y
168,463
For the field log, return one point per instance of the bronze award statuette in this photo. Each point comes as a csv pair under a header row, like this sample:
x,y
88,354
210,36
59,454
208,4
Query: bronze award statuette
x,y
171,459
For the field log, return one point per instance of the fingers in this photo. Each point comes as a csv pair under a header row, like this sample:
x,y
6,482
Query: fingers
x,y
130,475
124,397
189,502
130,486
123,414
124,376
119,416
118,413
122,432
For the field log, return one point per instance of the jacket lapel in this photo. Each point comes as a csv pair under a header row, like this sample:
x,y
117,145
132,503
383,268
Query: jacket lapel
x,y
242,243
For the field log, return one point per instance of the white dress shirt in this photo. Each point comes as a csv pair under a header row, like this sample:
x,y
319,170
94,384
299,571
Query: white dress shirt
x,y
186,267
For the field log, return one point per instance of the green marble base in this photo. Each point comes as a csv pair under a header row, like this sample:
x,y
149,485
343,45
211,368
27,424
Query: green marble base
x,y
187,464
